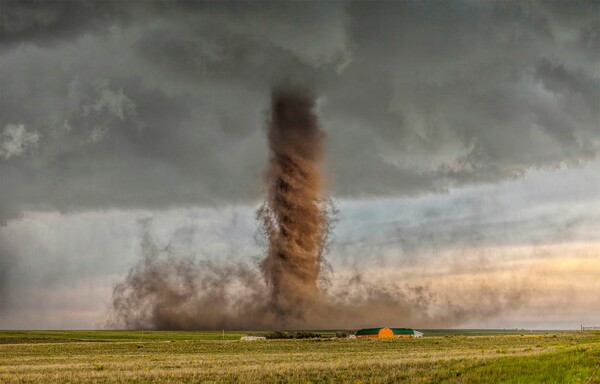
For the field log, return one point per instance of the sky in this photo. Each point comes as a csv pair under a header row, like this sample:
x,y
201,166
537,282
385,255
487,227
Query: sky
x,y
462,149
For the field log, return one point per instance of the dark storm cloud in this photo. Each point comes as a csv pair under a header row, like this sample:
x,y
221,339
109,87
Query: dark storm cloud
x,y
160,104
48,22
456,90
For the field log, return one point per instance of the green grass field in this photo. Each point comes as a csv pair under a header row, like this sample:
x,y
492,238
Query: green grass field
x,y
174,357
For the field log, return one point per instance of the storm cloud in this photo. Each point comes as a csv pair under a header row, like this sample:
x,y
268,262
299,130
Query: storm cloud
x,y
149,106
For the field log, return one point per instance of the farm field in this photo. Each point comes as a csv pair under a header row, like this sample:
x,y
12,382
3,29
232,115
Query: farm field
x,y
159,357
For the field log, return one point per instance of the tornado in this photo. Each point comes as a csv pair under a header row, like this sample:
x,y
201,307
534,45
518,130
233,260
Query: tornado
x,y
294,215
288,288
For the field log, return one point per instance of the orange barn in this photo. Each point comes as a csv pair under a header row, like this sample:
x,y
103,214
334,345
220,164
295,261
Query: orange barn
x,y
387,333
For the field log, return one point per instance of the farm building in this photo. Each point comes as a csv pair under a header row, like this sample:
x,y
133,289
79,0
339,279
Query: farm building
x,y
252,338
387,333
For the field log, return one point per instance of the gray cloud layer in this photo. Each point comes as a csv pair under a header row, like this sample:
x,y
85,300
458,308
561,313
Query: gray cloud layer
x,y
160,104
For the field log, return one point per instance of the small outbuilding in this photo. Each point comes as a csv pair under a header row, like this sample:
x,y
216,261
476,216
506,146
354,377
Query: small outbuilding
x,y
387,333
252,338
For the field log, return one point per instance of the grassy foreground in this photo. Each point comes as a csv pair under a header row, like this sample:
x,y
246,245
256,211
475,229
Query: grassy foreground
x,y
162,357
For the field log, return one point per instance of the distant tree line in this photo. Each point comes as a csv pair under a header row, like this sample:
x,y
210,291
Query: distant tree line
x,y
303,334
292,335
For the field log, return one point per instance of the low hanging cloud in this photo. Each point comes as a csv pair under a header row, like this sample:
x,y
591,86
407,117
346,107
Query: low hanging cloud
x,y
15,141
